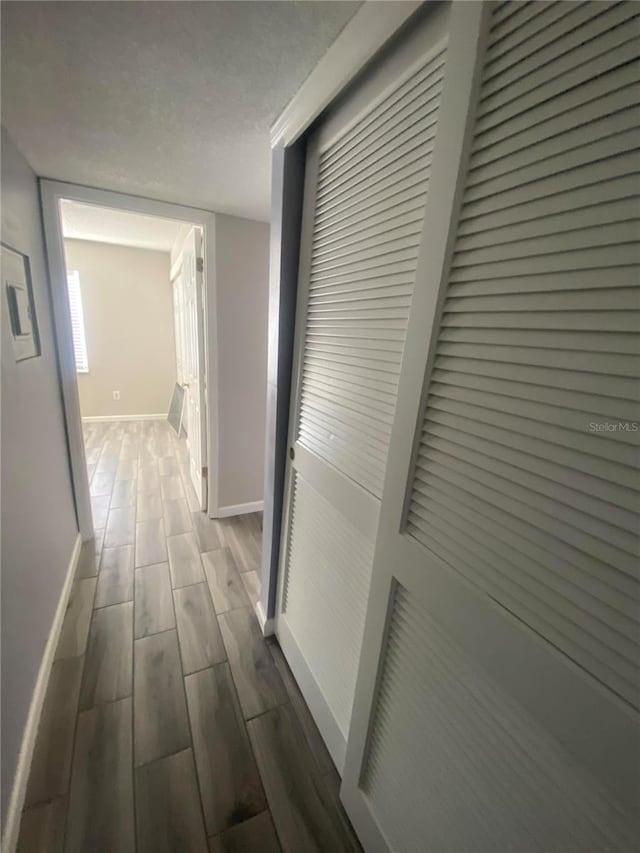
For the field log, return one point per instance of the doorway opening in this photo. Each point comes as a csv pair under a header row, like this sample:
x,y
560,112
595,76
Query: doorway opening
x,y
134,285
133,293
167,470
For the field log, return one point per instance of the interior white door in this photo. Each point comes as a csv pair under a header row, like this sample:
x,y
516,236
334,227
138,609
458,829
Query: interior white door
x,y
497,699
367,176
194,361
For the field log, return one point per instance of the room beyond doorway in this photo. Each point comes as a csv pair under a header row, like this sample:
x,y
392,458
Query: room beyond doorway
x,y
114,223
134,287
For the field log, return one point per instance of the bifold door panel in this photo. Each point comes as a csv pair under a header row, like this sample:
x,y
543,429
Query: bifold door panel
x,y
497,700
367,180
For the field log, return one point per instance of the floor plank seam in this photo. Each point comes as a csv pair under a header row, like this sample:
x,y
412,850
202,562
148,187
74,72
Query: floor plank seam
x,y
189,722
268,710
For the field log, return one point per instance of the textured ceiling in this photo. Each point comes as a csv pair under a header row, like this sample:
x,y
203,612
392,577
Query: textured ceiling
x,y
170,100
106,225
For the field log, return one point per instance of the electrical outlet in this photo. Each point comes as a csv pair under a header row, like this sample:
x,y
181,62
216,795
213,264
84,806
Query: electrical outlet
x,y
116,395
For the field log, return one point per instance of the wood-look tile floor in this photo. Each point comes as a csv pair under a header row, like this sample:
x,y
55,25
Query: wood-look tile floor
x,y
170,725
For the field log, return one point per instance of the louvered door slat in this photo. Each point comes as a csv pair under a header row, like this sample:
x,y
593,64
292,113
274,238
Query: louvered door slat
x,y
354,366
621,321
582,177
525,493
340,392
488,413
607,342
408,215
618,409
398,149
618,211
479,456
486,182
394,109
514,17
556,154
515,486
566,111
388,263
596,35
351,249
326,301
401,201
400,245
383,191
365,377
572,203
590,583
556,416
554,22
389,226
532,102
573,51
530,32
605,386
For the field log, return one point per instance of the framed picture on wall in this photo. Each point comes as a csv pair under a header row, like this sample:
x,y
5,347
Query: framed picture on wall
x,y
18,293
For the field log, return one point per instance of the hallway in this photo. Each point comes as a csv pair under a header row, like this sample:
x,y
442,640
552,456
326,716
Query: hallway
x,y
169,723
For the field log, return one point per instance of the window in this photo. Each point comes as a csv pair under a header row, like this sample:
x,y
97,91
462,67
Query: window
x,y
77,321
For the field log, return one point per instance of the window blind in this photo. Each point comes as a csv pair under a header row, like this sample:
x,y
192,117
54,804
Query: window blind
x,y
77,321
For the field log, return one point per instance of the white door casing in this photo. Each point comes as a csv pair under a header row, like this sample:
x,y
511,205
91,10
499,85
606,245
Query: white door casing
x,y
194,361
497,694
367,174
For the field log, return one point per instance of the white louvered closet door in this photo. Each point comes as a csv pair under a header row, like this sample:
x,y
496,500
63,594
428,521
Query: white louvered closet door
x,y
367,179
498,694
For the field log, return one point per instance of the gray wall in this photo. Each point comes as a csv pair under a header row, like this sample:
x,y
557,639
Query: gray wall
x,y
38,517
242,288
127,299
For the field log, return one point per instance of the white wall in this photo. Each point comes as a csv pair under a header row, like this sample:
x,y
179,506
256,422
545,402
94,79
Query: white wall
x,y
128,314
38,517
242,286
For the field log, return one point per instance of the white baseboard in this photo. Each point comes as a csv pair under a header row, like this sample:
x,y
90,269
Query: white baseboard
x,y
19,791
240,509
106,418
268,626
